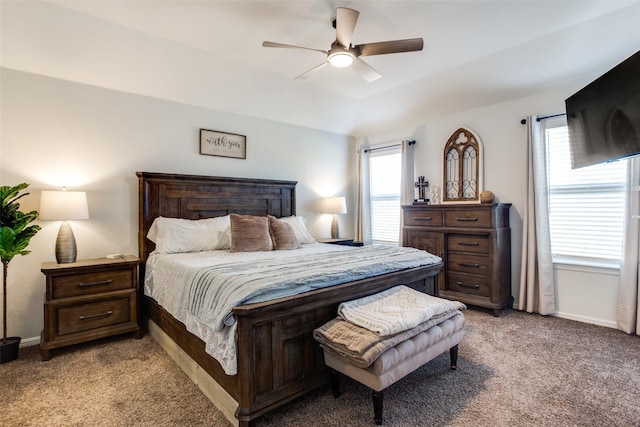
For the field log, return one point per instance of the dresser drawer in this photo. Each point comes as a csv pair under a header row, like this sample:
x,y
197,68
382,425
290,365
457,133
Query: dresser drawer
x,y
91,283
475,243
84,317
431,217
473,264
468,218
468,284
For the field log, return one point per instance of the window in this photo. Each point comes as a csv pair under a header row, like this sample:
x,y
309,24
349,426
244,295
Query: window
x,y
462,167
384,171
586,205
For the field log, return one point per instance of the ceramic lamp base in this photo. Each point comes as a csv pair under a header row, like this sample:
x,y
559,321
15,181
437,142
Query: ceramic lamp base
x,y
66,251
334,227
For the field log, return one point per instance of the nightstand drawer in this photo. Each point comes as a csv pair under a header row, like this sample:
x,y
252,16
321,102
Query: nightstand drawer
x,y
473,264
468,284
84,317
477,244
468,218
92,283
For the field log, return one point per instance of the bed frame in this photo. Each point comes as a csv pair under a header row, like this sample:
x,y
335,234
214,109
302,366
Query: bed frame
x,y
278,360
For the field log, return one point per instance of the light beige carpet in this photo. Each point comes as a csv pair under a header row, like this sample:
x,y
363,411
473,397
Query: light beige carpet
x,y
516,370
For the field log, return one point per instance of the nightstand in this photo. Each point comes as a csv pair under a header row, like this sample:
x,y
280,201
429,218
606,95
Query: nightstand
x,y
89,299
343,242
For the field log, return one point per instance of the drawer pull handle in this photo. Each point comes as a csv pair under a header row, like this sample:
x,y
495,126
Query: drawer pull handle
x,y
101,282
469,286
468,264
422,218
93,316
467,219
469,243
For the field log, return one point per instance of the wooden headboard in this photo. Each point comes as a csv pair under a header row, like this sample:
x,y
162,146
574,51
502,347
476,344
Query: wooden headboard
x,y
197,197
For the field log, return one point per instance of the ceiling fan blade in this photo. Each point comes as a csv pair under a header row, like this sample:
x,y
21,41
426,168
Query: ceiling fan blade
x,y
346,20
365,70
289,46
308,74
394,46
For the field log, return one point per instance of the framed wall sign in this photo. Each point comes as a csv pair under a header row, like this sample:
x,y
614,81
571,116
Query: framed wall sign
x,y
214,143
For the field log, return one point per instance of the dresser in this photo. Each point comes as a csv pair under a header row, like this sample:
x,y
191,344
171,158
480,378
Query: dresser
x,y
89,299
474,242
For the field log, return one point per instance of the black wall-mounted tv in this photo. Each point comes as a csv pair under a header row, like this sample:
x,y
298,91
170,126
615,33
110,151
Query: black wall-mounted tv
x,y
604,116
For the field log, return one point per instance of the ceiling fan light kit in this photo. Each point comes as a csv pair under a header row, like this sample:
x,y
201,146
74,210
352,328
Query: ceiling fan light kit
x,y
343,54
340,57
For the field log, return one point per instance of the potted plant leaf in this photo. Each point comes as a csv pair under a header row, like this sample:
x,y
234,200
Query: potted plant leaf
x,y
15,234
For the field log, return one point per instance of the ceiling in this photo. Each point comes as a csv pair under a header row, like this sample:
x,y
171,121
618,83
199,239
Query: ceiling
x,y
475,52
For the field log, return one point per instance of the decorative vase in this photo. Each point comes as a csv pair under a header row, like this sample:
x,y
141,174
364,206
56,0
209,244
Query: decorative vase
x,y
9,349
486,197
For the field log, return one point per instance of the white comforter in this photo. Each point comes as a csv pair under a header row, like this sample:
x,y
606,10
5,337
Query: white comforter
x,y
177,282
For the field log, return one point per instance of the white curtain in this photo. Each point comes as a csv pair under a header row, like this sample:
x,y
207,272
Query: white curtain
x,y
407,176
363,214
537,287
628,319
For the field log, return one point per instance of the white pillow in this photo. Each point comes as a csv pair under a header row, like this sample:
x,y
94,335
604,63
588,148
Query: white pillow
x,y
299,226
177,235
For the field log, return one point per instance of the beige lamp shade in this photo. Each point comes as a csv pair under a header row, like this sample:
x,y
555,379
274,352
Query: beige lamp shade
x,y
63,206
335,205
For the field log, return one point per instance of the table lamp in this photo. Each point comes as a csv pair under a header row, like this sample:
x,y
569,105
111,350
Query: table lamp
x,y
335,206
64,206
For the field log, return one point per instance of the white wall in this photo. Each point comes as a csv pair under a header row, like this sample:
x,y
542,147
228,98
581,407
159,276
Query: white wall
x,y
583,294
56,133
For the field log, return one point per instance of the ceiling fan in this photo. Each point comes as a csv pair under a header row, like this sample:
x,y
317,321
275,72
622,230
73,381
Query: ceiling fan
x,y
343,54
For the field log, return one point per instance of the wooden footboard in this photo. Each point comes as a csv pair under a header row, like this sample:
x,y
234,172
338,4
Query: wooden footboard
x,y
278,359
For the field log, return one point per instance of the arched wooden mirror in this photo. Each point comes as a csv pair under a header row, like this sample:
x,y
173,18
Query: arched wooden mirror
x,y
462,167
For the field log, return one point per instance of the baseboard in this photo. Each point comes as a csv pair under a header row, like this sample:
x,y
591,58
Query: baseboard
x,y
585,319
28,342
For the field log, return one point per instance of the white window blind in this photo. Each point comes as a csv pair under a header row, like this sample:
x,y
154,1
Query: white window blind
x,y
384,170
586,205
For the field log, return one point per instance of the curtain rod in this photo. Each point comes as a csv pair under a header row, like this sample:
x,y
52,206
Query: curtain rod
x,y
524,121
368,150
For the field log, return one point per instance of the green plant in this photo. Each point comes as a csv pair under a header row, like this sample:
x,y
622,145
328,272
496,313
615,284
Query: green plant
x,y
15,234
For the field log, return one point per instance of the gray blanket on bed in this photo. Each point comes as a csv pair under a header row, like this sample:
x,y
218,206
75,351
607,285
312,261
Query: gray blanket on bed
x,y
214,291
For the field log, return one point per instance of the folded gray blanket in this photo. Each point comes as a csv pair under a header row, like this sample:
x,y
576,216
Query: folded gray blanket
x,y
360,346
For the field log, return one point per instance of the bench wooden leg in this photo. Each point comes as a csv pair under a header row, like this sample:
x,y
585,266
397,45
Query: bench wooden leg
x,y
378,397
335,383
453,355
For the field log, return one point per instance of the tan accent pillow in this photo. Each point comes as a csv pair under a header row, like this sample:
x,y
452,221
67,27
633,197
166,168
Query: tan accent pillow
x,y
250,233
282,235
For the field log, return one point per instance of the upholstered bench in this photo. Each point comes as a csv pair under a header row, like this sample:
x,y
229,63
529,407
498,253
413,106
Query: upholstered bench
x,y
400,360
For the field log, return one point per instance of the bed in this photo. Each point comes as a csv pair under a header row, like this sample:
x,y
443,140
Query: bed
x,y
277,358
